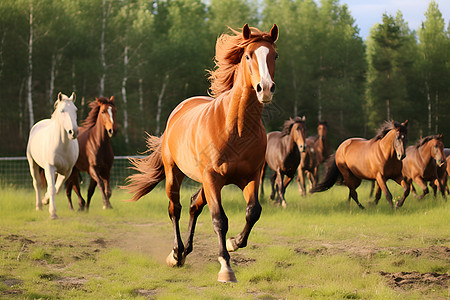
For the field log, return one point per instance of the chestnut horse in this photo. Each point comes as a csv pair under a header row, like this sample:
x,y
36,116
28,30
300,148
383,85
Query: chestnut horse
x,y
96,154
317,152
421,165
377,159
216,141
283,155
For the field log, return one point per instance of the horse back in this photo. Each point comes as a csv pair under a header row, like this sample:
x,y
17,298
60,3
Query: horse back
x,y
278,154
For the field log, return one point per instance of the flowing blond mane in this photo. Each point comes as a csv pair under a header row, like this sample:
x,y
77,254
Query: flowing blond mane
x,y
229,51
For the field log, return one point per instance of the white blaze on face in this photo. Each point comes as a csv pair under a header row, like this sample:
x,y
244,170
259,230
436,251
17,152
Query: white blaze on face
x,y
261,56
110,114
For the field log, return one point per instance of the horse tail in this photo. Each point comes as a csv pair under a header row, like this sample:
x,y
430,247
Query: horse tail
x,y
332,175
150,168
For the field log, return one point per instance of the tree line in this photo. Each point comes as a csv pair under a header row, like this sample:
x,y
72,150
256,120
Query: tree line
x,y
152,54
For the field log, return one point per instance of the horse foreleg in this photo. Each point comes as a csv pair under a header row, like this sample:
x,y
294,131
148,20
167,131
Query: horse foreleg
x,y
74,182
198,201
261,182
212,187
95,175
423,186
253,213
377,193
301,181
90,192
51,190
381,181
406,189
174,177
281,190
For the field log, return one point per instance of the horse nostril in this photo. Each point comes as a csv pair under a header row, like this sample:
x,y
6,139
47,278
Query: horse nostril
x,y
258,88
110,131
272,88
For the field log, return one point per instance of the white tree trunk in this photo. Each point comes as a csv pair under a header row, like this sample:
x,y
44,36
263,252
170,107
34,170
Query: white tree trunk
x,y
141,102
52,82
159,106
124,95
30,70
102,49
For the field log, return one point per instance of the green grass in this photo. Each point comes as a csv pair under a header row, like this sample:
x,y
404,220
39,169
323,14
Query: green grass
x,y
320,247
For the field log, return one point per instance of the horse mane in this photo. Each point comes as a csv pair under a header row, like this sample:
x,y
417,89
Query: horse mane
x,y
91,119
229,51
385,128
426,139
287,126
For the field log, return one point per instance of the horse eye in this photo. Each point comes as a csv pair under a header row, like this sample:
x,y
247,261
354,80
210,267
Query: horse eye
x,y
247,57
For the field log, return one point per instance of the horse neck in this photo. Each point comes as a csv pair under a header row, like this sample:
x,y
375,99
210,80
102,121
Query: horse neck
x,y
424,154
58,126
386,144
244,109
98,133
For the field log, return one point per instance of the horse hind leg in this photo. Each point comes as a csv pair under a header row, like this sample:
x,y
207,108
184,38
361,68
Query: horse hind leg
x,y
91,190
354,196
198,201
174,177
34,171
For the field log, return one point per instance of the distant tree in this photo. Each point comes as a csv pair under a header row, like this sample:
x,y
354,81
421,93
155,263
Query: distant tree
x,y
434,49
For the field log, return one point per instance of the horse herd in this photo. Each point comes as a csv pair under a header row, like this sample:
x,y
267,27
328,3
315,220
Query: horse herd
x,y
216,141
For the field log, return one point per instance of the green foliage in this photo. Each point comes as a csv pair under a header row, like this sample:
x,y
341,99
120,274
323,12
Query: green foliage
x,y
324,70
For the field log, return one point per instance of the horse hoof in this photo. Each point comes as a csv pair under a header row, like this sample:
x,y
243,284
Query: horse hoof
x,y
231,245
226,276
172,262
283,204
107,207
53,217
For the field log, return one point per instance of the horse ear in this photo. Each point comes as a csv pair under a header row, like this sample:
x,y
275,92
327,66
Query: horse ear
x,y
246,32
73,97
59,96
405,123
304,118
274,33
111,99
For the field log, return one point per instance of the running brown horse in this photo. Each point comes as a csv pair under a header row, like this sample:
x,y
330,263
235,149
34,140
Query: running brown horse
x,y
283,155
379,158
96,154
317,152
421,165
216,141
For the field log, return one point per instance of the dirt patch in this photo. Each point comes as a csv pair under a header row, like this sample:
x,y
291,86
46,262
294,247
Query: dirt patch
x,y
416,280
12,285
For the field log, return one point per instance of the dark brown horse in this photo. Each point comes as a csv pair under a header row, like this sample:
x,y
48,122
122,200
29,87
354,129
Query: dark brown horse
x,y
377,159
283,155
96,154
216,141
317,152
421,165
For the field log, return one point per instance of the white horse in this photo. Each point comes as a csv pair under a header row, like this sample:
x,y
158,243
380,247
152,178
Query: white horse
x,y
52,145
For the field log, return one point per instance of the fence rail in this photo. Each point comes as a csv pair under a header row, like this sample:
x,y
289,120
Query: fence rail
x,y
15,172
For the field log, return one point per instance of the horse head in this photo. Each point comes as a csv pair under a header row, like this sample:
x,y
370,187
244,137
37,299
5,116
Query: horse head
x,y
259,62
66,114
437,150
322,129
107,115
299,133
401,139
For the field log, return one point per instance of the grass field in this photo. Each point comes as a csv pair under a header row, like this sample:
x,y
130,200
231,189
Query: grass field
x,y
320,247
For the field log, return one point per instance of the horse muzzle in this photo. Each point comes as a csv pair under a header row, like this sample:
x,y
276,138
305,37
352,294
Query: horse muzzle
x,y
110,133
73,133
265,91
401,156
439,162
